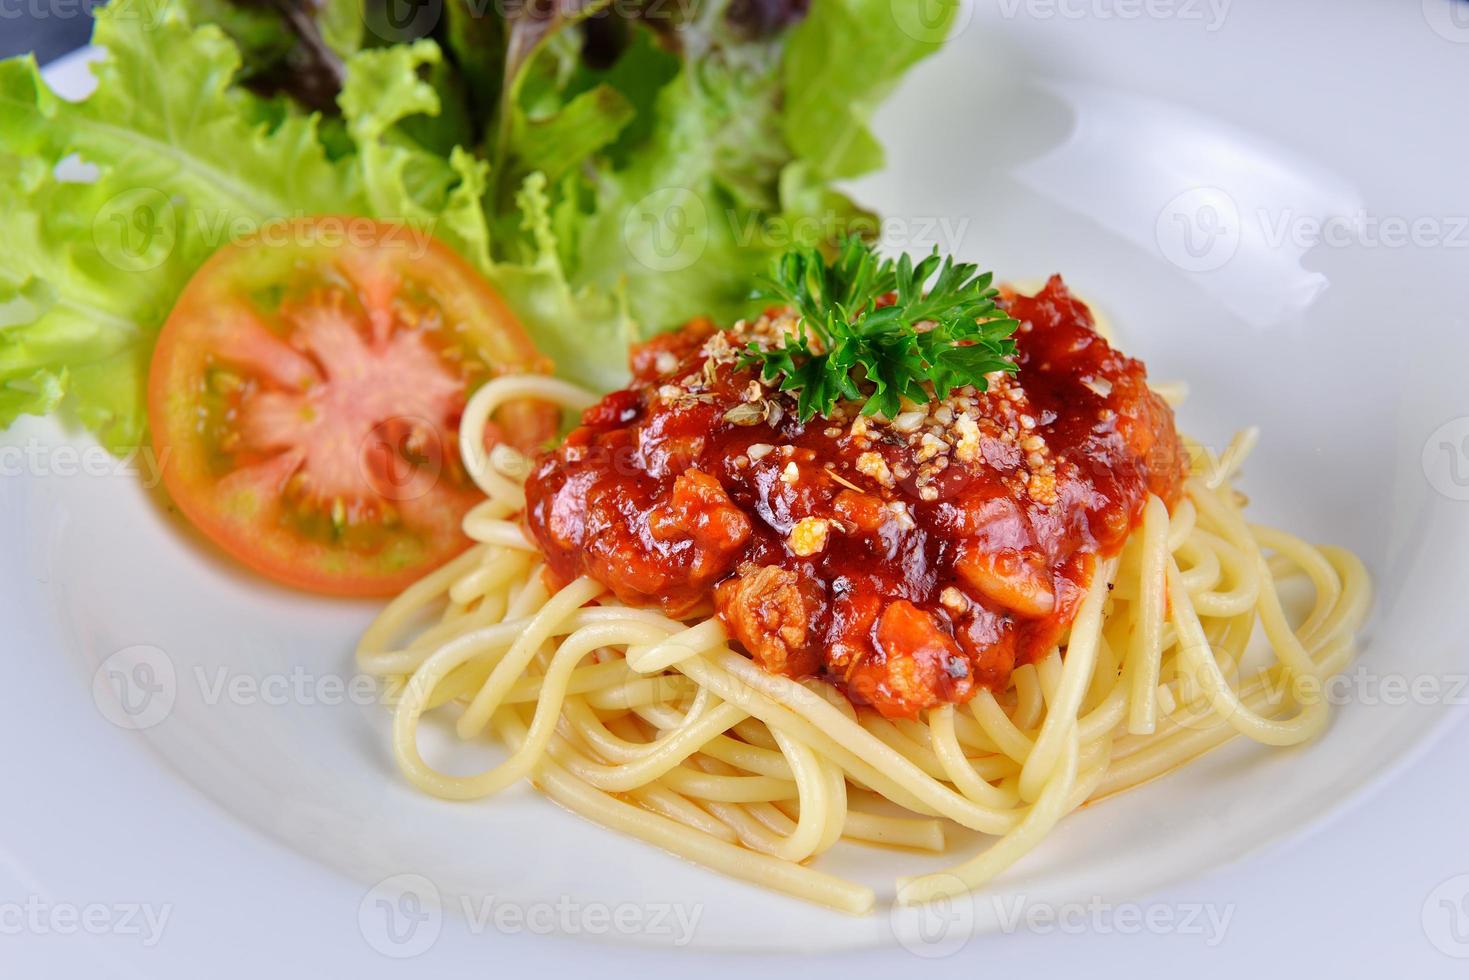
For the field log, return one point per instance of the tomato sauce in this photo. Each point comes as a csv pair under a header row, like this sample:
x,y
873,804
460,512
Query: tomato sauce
x,y
910,561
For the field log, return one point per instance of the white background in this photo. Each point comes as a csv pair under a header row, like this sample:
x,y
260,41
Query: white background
x,y
1347,901
1350,899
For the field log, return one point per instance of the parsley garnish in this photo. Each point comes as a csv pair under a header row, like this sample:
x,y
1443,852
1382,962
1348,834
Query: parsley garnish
x,y
878,352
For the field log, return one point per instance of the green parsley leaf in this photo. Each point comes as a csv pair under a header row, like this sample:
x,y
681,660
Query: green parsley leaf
x,y
942,329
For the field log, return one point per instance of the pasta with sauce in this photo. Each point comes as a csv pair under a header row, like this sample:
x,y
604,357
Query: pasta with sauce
x,y
744,638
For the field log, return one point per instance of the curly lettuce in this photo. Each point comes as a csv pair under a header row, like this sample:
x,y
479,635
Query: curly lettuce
x,y
612,171
89,271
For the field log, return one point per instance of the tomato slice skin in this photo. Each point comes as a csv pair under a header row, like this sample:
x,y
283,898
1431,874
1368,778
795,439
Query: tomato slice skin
x,y
304,400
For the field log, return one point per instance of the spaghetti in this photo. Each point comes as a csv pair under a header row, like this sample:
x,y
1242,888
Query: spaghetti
x,y
656,727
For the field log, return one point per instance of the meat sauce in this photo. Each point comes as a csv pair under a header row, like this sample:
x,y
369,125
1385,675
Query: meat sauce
x,y
910,561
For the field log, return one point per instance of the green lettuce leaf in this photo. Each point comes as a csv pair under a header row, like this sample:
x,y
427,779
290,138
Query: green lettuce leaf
x,y
553,144
827,110
675,228
401,179
585,331
736,157
89,271
611,176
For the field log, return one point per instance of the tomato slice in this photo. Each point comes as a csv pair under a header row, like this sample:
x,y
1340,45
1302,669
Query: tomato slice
x,y
305,397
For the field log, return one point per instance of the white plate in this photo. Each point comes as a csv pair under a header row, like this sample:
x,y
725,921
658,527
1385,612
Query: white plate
x,y
1176,160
